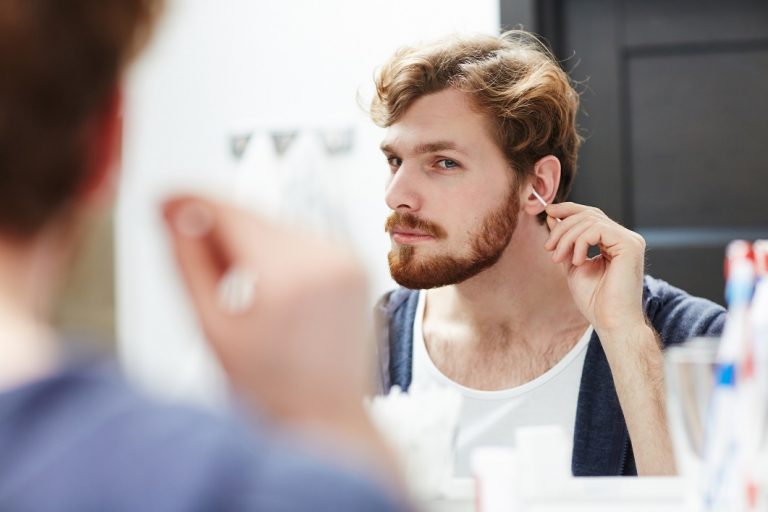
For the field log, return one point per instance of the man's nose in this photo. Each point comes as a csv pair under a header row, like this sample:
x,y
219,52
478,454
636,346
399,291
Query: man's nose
x,y
403,192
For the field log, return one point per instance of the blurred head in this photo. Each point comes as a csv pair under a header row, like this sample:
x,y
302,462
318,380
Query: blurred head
x,y
61,63
470,121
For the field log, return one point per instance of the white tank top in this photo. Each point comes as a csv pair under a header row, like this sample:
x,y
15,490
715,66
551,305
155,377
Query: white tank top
x,y
489,418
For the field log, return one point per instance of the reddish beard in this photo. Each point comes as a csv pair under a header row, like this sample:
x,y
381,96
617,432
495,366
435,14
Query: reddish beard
x,y
486,247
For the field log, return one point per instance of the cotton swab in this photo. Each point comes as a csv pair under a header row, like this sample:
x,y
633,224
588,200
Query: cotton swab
x,y
542,201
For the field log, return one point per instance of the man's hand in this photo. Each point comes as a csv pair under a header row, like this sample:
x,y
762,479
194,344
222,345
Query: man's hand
x,y
607,288
297,349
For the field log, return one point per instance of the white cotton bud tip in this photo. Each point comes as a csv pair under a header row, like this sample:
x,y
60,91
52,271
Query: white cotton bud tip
x,y
236,291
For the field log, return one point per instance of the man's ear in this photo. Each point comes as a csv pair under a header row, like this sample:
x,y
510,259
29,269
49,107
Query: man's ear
x,y
104,143
545,181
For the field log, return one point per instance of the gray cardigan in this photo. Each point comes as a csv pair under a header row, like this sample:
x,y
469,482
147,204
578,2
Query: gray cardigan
x,y
601,445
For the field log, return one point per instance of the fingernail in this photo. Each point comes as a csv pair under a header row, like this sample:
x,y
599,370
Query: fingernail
x,y
192,220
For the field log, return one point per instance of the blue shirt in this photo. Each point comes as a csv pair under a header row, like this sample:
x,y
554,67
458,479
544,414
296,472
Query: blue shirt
x,y
83,440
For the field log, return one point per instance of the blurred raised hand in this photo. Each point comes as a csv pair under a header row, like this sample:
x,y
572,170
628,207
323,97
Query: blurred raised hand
x,y
285,312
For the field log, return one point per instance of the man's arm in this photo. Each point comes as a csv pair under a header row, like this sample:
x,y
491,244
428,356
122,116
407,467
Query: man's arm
x,y
608,289
637,365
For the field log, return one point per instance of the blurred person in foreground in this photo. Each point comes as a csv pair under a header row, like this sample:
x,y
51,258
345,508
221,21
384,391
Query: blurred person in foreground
x,y
500,299
73,435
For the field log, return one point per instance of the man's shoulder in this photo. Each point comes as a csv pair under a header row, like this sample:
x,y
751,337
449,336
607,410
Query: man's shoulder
x,y
395,312
86,439
659,294
397,301
677,315
394,315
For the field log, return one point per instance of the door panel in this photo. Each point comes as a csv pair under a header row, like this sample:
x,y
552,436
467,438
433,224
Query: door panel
x,y
675,115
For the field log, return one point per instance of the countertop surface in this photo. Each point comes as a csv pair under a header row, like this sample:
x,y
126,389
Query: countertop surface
x,y
627,494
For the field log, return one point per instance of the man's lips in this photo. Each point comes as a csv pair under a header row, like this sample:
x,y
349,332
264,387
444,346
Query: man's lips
x,y
407,236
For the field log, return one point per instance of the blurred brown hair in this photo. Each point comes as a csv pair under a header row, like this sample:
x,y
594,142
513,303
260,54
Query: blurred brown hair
x,y
513,78
60,61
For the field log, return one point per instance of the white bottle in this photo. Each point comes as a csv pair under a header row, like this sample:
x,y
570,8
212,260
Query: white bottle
x,y
723,455
757,466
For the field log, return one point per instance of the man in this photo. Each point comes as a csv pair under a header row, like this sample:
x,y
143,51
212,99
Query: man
x,y
500,300
73,436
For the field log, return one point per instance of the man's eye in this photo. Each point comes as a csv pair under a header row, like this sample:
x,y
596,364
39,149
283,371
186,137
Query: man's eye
x,y
395,161
447,164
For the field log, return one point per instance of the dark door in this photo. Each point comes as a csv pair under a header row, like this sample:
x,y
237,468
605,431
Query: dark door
x,y
675,114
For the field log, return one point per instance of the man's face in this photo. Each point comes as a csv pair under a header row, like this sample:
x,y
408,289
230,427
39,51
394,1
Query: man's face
x,y
454,197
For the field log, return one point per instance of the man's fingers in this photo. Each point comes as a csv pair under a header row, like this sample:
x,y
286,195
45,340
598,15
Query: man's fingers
x,y
564,247
193,226
558,230
563,210
567,238
589,238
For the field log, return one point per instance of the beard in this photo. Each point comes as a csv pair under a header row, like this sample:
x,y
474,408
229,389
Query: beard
x,y
487,245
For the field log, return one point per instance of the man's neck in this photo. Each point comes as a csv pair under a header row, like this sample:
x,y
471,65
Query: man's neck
x,y
507,325
524,290
27,280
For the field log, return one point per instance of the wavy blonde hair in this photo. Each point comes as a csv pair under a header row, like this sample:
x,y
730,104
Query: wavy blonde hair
x,y
513,78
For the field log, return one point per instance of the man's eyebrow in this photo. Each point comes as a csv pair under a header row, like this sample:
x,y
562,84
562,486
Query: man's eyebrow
x,y
428,147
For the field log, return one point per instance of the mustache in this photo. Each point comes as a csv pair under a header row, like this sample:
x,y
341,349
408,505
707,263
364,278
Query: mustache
x,y
410,221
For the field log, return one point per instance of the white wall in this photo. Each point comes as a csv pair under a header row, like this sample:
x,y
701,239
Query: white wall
x,y
219,66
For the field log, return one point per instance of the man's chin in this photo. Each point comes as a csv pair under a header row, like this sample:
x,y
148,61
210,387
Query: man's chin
x,y
424,277
408,272
426,273
416,283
